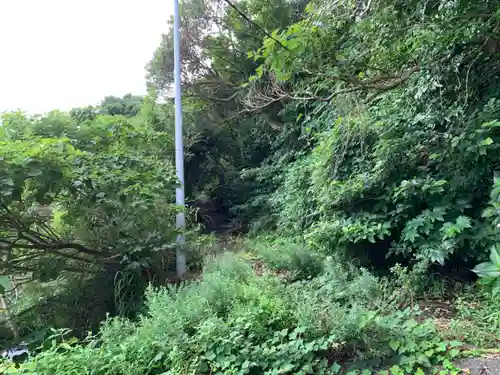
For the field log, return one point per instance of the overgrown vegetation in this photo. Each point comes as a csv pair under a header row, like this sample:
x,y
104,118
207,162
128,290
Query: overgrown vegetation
x,y
353,143
234,321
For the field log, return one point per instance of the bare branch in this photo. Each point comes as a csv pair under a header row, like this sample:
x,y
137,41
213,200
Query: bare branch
x,y
271,91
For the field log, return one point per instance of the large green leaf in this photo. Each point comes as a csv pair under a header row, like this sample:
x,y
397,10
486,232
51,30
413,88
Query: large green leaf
x,y
487,269
495,256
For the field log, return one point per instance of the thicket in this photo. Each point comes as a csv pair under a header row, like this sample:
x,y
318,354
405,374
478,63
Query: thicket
x,y
86,214
368,129
236,322
358,133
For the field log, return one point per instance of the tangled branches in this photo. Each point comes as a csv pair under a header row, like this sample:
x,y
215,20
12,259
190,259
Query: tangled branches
x,y
264,93
27,240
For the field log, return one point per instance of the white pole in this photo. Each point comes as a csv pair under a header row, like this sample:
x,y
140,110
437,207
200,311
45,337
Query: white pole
x,y
179,147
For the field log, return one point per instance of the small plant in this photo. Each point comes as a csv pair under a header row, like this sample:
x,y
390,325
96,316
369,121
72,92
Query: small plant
x,y
286,255
477,319
489,272
234,321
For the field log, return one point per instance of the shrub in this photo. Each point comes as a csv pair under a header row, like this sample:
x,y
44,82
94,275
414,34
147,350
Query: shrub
x,y
234,321
77,303
287,255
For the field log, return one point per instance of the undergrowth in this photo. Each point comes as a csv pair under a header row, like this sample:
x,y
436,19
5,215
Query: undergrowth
x,y
236,322
477,319
287,255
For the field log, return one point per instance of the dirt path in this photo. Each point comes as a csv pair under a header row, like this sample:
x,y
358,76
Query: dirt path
x,y
487,365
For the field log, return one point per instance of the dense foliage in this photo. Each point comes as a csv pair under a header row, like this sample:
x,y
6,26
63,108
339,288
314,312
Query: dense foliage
x,y
374,125
90,200
237,322
355,141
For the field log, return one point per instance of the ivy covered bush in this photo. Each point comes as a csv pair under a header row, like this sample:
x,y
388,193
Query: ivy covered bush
x,y
397,128
369,129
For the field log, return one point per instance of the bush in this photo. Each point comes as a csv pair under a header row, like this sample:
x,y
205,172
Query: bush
x,y
76,303
287,255
234,321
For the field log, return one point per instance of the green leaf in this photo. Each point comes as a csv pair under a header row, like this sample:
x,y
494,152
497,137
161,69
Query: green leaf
x,y
436,255
495,256
495,290
210,355
394,345
34,172
491,124
65,346
287,367
259,71
463,222
429,352
447,364
486,142
487,269
335,368
310,346
442,347
454,343
438,213
489,212
411,235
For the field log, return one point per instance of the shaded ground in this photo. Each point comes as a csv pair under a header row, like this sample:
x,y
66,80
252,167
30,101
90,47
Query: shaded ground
x,y
489,365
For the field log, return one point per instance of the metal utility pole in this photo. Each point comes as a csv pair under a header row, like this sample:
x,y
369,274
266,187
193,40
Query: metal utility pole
x,y
179,147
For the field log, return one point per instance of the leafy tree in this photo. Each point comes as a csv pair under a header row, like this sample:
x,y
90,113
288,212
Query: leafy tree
x,y
225,136
112,189
129,105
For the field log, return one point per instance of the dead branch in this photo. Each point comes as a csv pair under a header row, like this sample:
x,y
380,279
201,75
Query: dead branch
x,y
271,91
